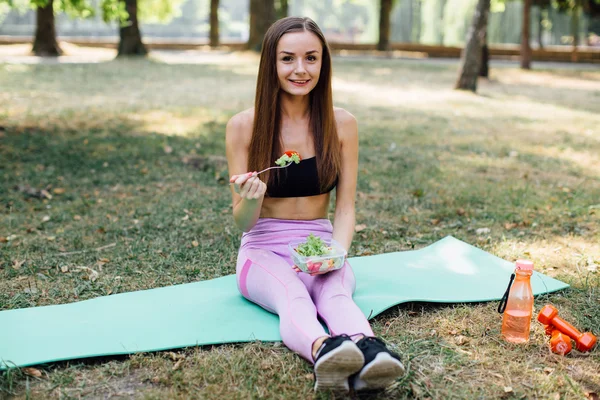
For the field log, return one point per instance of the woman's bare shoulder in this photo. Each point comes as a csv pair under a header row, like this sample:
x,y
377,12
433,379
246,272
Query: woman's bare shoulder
x,y
346,122
239,127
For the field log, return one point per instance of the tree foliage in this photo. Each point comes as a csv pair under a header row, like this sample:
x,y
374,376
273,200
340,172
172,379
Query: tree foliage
x,y
151,11
73,8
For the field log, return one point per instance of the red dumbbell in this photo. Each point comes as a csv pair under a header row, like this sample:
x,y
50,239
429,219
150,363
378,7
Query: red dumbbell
x,y
583,341
560,343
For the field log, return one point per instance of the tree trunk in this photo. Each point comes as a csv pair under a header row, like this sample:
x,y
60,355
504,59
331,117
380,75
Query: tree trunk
x,y
484,69
575,31
44,43
540,28
471,55
262,15
525,47
214,23
131,37
385,11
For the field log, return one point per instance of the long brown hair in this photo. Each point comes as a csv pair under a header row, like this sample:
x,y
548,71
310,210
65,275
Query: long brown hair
x,y
265,145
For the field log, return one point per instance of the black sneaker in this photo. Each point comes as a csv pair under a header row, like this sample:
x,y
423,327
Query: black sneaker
x,y
381,368
337,359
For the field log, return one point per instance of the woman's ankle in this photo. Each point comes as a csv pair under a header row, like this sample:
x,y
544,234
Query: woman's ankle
x,y
317,345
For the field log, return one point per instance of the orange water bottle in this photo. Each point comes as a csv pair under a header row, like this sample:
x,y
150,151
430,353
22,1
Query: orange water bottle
x,y
518,304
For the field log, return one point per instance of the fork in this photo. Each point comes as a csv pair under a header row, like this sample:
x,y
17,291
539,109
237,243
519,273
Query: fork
x,y
266,169
279,166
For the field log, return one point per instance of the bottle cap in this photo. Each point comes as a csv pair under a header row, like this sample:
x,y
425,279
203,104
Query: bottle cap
x,y
524,265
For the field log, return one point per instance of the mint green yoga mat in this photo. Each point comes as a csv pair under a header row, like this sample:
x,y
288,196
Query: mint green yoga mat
x,y
210,312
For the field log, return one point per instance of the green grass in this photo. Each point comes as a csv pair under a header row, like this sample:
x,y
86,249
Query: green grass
x,y
136,150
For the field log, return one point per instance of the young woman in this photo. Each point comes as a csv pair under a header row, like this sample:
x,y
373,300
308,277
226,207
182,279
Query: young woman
x,y
294,111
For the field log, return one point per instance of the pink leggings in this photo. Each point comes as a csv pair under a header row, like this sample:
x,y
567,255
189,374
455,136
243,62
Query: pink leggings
x,y
265,277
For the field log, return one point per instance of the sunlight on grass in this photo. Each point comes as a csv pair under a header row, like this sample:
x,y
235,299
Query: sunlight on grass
x,y
169,123
559,256
21,53
589,81
389,96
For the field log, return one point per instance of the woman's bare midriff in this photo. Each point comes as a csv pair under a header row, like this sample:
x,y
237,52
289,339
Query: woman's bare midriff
x,y
298,208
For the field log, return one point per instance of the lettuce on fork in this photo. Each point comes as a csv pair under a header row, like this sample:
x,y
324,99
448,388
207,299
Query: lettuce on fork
x,y
288,156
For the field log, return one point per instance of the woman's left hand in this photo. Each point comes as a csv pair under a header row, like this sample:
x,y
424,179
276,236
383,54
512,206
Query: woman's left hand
x,y
310,273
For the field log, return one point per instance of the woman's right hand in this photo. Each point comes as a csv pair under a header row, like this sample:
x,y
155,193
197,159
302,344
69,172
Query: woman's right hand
x,y
248,186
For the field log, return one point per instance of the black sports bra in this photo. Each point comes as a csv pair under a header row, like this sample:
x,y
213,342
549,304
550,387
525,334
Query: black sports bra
x,y
298,180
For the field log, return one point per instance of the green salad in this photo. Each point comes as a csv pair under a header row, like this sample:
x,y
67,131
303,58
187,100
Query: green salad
x,y
314,246
288,156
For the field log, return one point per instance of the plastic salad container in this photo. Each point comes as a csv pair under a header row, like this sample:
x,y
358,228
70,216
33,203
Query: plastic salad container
x,y
333,258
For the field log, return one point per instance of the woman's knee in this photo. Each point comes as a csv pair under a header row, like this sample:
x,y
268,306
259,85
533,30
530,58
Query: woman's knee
x,y
339,282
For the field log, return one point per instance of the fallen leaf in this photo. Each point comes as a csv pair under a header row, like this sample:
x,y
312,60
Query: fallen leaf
x,y
168,149
195,243
508,389
177,365
360,227
33,372
77,217
175,356
92,274
435,221
461,211
17,264
64,268
185,218
453,332
51,238
104,260
58,190
461,340
33,192
156,380
3,239
144,171
46,218
510,225
405,218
